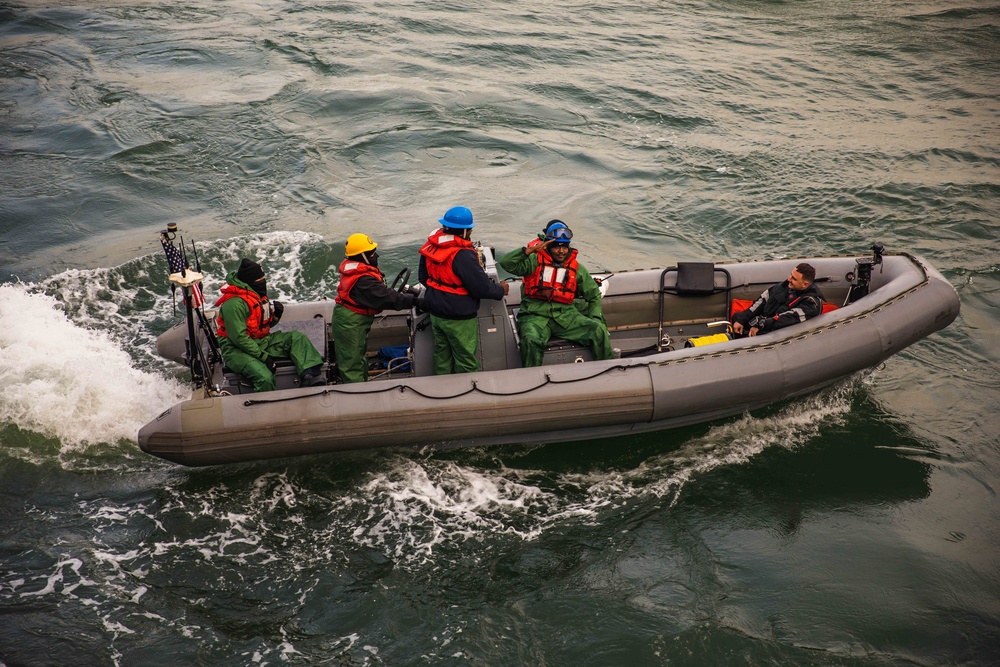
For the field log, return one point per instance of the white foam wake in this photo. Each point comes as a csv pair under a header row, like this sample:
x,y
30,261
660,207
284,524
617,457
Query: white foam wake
x,y
77,350
68,381
419,507
737,442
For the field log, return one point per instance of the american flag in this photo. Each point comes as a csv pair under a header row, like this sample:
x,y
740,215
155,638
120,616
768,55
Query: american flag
x,y
174,258
178,264
197,298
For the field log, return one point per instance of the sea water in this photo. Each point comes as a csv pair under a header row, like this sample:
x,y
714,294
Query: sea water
x,y
855,526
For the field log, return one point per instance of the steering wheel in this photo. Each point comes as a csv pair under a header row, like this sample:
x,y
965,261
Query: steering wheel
x,y
401,279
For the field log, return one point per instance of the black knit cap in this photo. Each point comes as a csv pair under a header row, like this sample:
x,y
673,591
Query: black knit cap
x,y
249,271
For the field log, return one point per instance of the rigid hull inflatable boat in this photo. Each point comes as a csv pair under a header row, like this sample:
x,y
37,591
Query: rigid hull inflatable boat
x,y
677,365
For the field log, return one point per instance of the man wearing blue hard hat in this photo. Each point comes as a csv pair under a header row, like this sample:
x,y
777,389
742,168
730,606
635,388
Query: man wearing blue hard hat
x,y
455,281
553,281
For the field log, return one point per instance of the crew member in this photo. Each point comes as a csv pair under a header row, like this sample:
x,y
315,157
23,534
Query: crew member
x,y
246,341
789,302
455,282
361,295
553,280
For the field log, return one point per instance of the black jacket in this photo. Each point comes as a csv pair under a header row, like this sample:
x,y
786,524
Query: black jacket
x,y
371,292
460,306
778,307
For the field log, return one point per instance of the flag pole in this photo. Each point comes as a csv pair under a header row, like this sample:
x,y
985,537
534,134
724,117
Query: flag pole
x,y
180,274
213,342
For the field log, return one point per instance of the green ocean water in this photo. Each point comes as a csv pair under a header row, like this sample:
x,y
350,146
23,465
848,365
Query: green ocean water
x,y
857,526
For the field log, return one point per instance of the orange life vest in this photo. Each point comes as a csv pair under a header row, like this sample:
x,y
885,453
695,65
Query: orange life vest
x,y
552,282
440,251
350,272
259,321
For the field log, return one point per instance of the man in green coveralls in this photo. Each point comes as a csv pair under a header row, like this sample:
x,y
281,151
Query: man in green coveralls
x,y
246,341
361,295
455,281
554,281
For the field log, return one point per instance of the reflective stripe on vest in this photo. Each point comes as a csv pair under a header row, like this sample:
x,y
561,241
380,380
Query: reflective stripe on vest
x,y
551,274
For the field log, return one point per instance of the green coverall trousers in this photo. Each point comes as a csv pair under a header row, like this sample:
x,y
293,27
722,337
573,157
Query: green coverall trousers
x,y
536,330
350,341
277,344
455,345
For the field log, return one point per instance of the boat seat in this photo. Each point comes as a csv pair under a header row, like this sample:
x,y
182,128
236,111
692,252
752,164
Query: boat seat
x,y
695,278
694,294
315,329
285,375
562,351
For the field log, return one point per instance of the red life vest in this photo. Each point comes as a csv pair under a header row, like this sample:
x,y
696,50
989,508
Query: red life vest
x,y
440,251
552,282
259,321
739,305
350,272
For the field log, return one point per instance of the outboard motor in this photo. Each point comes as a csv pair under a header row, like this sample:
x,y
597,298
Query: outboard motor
x,y
861,277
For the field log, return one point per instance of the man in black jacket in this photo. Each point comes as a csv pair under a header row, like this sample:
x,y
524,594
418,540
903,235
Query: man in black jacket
x,y
455,281
361,295
783,304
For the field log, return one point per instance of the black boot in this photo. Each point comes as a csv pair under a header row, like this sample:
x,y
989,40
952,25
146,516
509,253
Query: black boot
x,y
312,377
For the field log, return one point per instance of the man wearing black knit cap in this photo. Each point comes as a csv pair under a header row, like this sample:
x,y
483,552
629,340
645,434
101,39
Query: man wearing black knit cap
x,y
246,341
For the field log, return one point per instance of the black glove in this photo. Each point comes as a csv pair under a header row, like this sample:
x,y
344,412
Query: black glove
x,y
762,323
418,303
277,309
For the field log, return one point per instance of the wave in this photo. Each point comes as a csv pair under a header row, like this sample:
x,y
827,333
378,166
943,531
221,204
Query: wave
x,y
70,381
78,360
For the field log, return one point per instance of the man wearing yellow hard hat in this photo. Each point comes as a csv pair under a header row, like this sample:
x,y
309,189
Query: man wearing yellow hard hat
x,y
361,295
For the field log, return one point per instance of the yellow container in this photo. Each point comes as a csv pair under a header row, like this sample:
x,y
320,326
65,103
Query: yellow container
x,y
706,340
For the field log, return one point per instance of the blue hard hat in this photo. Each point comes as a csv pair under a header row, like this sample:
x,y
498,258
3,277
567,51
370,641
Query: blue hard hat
x,y
558,231
458,217
553,223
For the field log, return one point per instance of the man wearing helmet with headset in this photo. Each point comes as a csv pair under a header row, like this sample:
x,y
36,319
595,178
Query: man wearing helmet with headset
x,y
553,280
361,295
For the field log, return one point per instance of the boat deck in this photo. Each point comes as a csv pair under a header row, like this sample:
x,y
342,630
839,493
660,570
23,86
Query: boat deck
x,y
643,319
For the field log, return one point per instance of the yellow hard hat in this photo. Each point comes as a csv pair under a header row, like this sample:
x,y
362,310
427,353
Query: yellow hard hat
x,y
359,243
